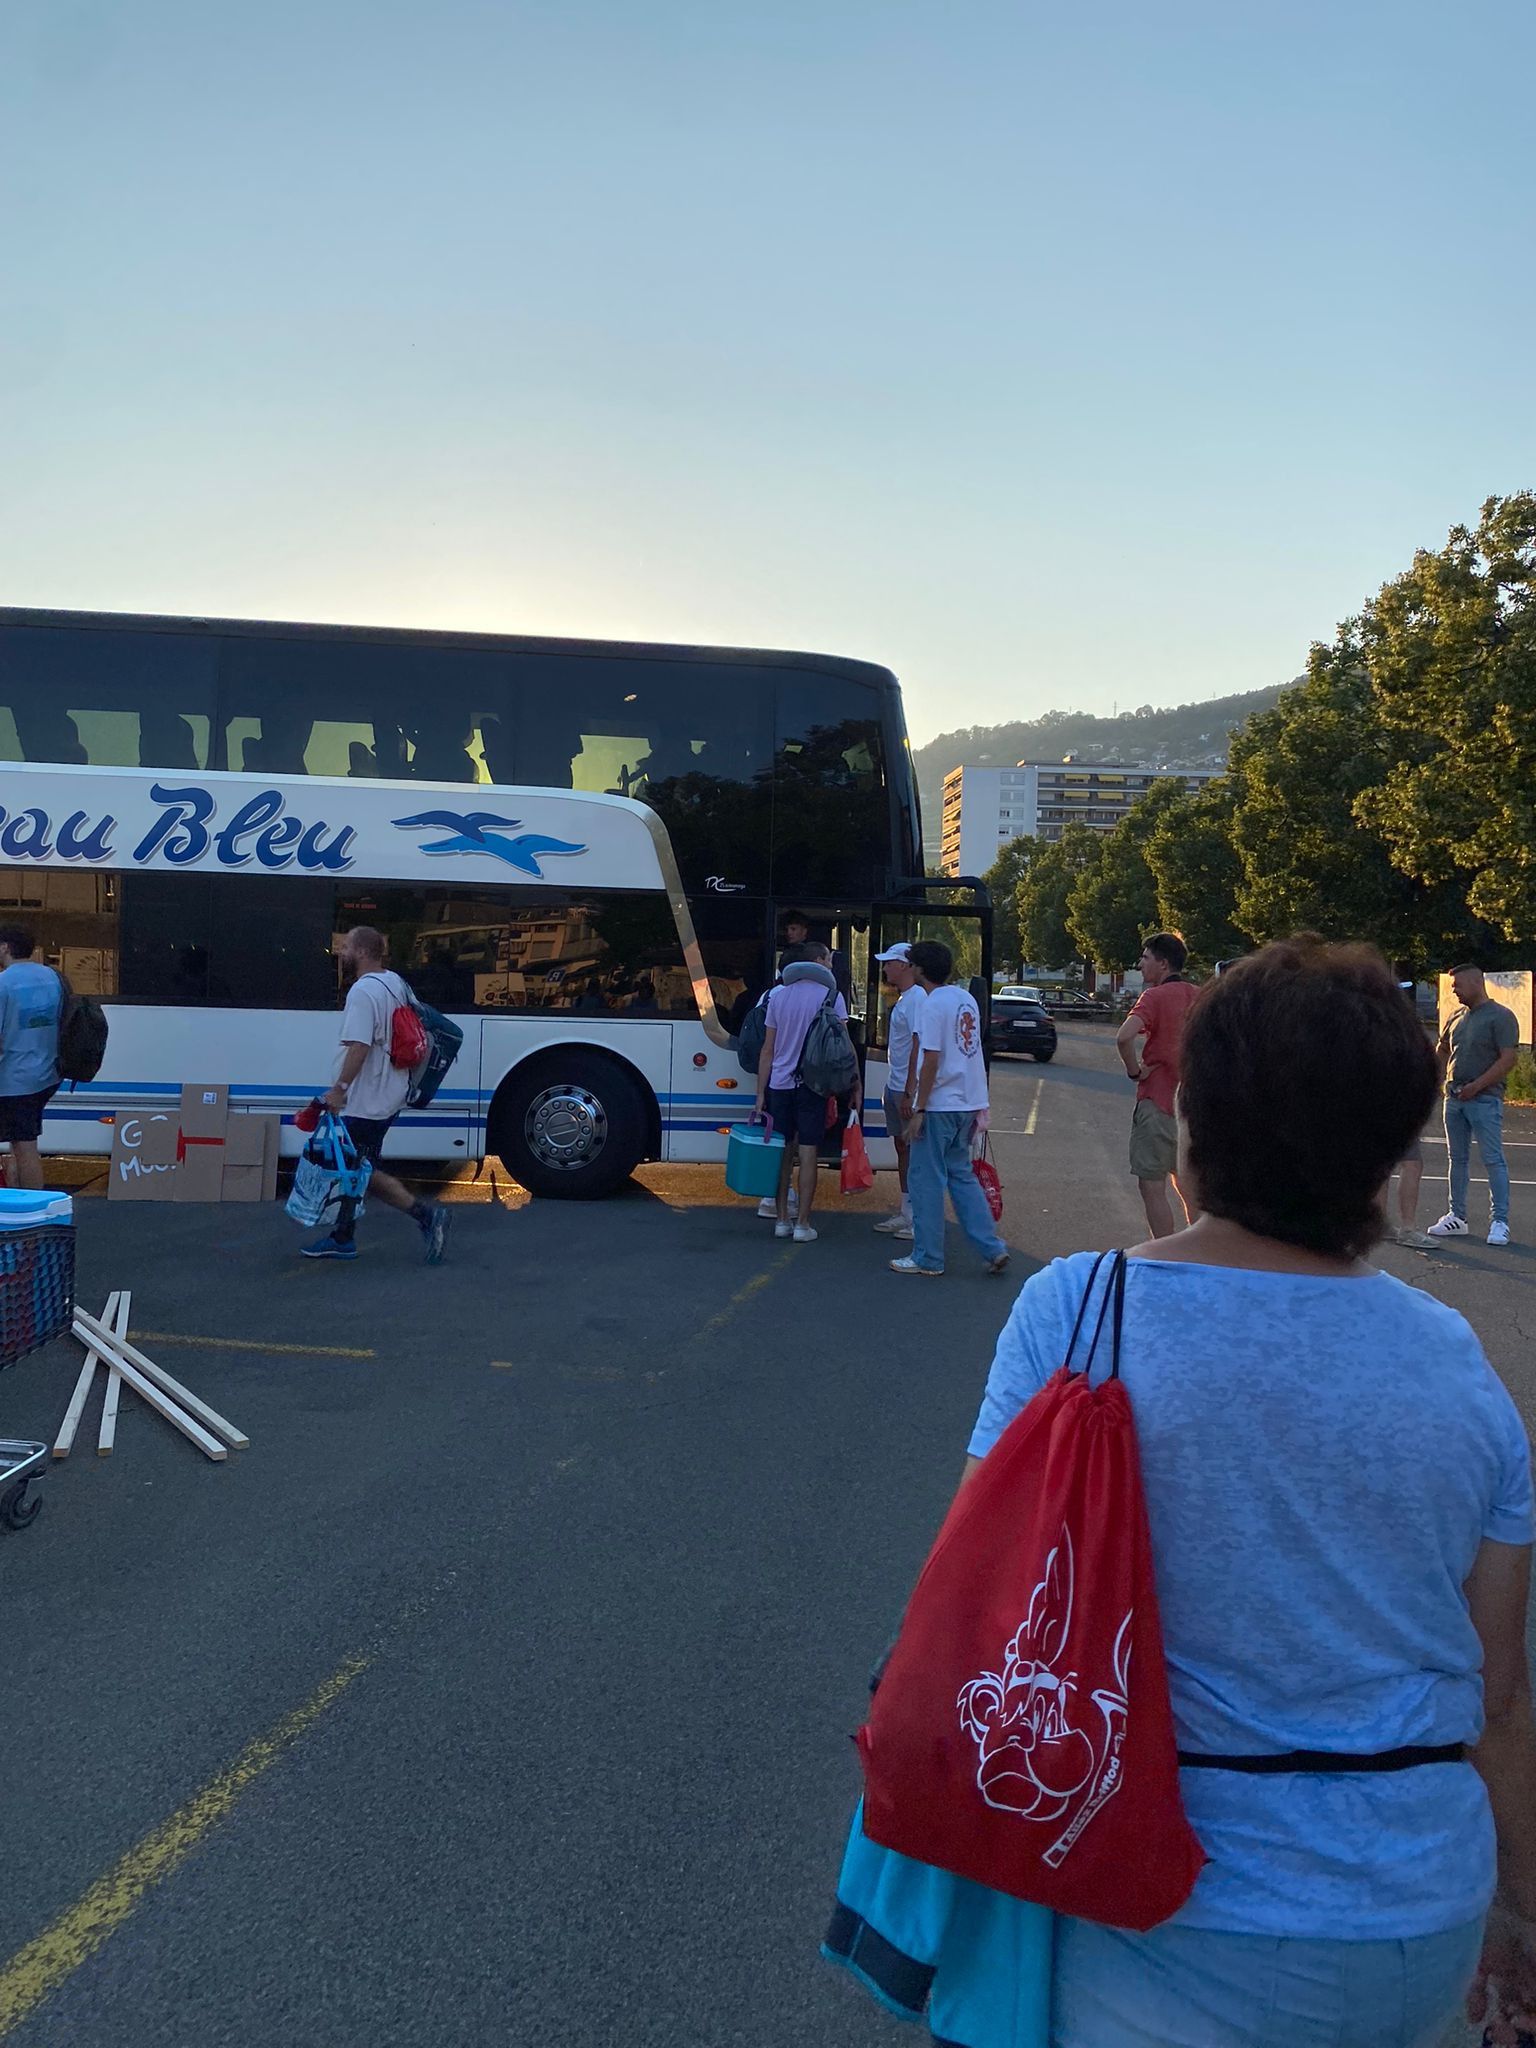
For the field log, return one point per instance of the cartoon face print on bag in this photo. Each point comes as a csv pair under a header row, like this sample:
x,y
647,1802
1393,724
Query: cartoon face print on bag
x,y
1033,1757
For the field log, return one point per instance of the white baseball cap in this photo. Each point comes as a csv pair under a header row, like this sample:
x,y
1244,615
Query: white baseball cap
x,y
900,951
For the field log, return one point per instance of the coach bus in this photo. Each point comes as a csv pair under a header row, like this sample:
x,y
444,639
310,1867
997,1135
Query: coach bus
x,y
582,851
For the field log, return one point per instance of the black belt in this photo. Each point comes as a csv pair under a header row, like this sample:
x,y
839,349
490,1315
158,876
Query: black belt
x,y
1329,1760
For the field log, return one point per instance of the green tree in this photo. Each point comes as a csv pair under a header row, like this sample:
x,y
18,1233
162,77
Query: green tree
x,y
1450,648
1002,879
1113,905
1309,861
1042,896
1196,869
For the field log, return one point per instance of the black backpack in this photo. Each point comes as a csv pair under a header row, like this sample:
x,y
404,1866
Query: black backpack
x,y
443,1041
754,1029
82,1036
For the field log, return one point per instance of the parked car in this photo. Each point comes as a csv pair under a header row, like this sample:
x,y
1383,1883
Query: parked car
x,y
1021,1027
1071,1002
1018,992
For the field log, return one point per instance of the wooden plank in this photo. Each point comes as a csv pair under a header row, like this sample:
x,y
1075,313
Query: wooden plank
x,y
147,1391
118,1325
117,1350
64,1443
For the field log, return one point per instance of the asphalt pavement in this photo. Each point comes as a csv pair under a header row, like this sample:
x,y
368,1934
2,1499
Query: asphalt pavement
x,y
501,1691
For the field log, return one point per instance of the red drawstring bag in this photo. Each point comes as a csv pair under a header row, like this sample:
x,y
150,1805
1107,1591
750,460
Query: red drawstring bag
x,y
858,1174
1022,1734
991,1186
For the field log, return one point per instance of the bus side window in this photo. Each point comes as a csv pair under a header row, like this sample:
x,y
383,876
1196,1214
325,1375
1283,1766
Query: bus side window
x,y
82,696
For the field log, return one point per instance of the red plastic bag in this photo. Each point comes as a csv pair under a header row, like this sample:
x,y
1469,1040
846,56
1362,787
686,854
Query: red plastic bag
x,y
1022,1734
991,1186
858,1174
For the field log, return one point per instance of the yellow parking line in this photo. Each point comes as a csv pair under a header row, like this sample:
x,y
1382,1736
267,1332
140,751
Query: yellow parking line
x,y
251,1344
37,1970
1034,1111
741,1297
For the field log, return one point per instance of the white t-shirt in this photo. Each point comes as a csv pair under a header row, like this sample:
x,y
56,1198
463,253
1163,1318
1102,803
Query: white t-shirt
x,y
949,1024
901,1030
380,1090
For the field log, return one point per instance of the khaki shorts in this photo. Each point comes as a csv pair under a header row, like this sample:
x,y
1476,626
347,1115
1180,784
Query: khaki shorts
x,y
1154,1142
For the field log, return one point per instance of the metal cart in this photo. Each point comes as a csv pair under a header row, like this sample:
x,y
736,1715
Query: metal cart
x,y
20,1464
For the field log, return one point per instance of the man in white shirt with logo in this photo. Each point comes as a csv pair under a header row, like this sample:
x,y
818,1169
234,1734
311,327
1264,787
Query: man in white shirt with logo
x,y
901,1086
951,1094
369,1093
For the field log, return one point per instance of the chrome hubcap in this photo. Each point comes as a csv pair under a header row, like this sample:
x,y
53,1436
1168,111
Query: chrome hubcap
x,y
566,1127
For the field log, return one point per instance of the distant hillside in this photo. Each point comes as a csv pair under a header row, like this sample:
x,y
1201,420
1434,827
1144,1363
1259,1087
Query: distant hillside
x,y
1181,736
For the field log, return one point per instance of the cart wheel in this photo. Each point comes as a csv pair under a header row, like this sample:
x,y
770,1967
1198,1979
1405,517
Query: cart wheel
x,y
16,1511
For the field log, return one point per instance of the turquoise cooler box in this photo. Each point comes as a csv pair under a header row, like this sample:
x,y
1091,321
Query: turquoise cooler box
x,y
752,1158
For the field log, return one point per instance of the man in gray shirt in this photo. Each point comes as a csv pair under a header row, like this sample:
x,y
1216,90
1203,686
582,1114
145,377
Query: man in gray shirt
x,y
1477,1049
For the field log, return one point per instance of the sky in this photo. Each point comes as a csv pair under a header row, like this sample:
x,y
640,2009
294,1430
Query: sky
x,y
1052,357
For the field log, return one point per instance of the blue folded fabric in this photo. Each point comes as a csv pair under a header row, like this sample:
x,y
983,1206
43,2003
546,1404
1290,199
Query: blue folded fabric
x,y
975,1962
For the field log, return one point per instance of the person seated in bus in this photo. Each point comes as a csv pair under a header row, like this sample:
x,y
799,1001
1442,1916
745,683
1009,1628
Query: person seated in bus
x,y
441,750
48,733
280,748
166,740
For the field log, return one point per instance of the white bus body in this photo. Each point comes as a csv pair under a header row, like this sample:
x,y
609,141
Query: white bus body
x,y
577,1086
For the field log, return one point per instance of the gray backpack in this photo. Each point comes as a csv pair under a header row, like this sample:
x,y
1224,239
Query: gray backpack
x,y
828,1064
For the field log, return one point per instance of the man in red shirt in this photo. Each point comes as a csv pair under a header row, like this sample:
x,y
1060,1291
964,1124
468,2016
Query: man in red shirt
x,y
1148,1042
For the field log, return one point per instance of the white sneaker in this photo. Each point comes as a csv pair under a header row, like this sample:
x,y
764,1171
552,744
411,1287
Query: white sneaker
x,y
894,1226
1450,1225
783,1229
1498,1233
803,1234
911,1266
768,1208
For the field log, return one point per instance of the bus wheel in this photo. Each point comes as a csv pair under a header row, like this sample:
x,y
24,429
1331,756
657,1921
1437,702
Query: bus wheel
x,y
571,1125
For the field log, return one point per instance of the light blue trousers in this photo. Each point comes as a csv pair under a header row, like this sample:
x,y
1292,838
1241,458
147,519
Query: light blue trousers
x,y
1183,1987
1483,1119
941,1159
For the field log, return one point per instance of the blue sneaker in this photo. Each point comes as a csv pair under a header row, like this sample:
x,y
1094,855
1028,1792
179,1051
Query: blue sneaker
x,y
435,1231
329,1248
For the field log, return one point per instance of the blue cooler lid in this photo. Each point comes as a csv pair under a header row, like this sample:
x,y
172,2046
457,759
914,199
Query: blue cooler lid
x,y
20,1208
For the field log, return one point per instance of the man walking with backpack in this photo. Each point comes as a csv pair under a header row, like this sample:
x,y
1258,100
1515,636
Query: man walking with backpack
x,y
369,1093
807,1059
951,1095
31,1009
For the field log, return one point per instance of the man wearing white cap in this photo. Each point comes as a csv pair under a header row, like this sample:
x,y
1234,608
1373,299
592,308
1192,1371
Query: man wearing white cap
x,y
901,1046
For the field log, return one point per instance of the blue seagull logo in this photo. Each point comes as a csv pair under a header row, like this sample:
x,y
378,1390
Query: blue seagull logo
x,y
481,832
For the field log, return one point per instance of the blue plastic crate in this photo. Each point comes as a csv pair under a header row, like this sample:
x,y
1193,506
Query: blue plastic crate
x,y
37,1284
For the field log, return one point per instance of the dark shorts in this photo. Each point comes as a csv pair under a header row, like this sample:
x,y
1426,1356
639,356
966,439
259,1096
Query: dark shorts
x,y
1414,1156
368,1134
21,1117
798,1115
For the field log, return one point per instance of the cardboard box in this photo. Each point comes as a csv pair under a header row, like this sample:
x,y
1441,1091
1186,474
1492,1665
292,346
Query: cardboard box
x,y
199,1173
199,1153
250,1157
143,1157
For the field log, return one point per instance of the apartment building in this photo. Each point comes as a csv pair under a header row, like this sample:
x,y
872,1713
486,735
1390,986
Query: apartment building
x,y
983,808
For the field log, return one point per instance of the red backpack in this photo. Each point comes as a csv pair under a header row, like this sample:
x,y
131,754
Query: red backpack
x,y
1022,1734
408,1040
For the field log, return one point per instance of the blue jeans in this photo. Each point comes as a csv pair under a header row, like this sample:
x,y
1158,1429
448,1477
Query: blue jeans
x,y
941,1159
1182,1987
1482,1118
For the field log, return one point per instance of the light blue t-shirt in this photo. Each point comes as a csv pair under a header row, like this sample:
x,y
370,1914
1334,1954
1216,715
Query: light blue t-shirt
x,y
31,998
1322,1458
